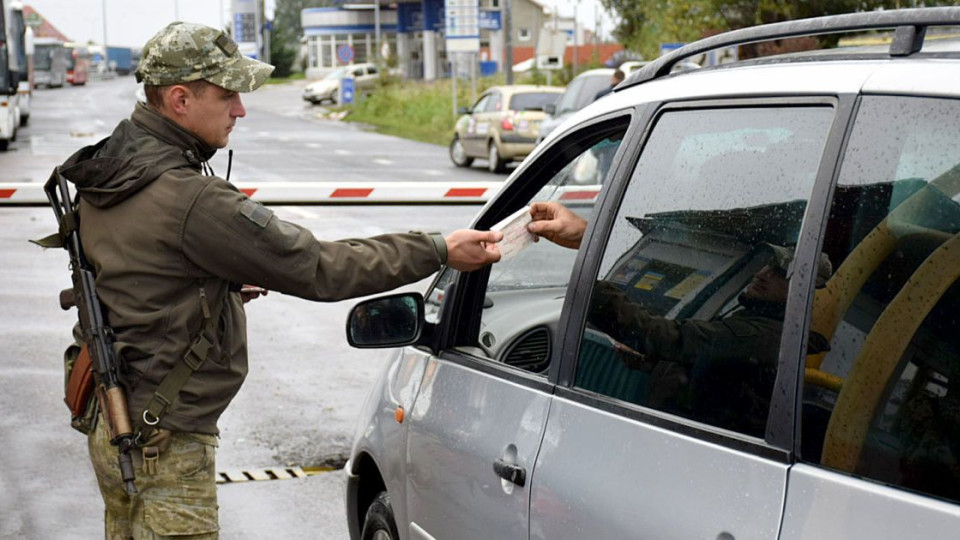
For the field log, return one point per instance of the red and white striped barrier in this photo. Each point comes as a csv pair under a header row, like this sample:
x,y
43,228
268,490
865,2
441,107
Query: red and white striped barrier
x,y
328,193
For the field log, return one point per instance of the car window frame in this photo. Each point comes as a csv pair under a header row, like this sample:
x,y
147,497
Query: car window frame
x,y
464,297
782,427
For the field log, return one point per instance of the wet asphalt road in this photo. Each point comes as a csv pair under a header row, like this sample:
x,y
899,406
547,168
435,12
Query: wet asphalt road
x,y
298,406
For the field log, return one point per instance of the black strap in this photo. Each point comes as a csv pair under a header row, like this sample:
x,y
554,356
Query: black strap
x,y
196,355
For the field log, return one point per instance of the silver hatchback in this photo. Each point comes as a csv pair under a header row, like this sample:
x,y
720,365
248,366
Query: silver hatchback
x,y
757,337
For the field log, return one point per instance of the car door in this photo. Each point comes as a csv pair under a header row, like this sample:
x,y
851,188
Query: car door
x,y
369,78
664,423
477,422
880,438
475,134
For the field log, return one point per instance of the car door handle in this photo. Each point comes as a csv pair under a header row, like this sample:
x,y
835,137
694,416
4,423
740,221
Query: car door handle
x,y
510,472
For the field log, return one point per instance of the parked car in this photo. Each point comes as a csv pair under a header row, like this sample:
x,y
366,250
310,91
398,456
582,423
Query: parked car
x,y
502,126
758,336
328,88
581,92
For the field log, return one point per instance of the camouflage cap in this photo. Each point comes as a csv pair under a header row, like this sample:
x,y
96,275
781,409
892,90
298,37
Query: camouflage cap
x,y
783,256
184,52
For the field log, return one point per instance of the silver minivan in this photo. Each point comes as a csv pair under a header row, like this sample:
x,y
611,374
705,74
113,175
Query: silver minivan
x,y
757,338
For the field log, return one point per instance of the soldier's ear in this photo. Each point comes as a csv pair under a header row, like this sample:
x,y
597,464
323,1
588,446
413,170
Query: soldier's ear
x,y
175,99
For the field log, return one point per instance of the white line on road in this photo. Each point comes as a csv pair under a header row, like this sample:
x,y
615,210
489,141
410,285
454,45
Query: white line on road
x,y
433,172
383,161
314,145
342,152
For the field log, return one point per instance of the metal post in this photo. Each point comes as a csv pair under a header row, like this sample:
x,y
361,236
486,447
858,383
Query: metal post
x,y
508,41
376,25
453,80
475,60
576,41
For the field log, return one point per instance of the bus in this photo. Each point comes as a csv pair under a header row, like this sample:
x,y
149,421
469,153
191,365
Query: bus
x,y
13,69
78,63
49,62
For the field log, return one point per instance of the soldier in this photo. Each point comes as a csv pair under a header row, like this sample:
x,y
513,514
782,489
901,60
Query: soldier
x,y
171,246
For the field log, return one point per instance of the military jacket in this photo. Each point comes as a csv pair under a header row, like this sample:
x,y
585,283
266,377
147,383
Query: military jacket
x,y
169,243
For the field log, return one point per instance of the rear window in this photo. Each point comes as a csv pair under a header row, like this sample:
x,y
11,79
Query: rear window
x,y
532,100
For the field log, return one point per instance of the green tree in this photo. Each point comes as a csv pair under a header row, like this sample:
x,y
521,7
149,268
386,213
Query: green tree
x,y
644,24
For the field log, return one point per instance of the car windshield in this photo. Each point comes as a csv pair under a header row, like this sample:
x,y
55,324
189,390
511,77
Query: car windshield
x,y
531,100
42,57
581,92
336,74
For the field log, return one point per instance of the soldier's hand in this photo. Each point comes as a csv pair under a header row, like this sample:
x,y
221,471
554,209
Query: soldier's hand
x,y
249,292
556,223
469,250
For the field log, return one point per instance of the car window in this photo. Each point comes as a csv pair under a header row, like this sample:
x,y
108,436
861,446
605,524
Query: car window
x,y
531,100
687,312
372,70
358,72
524,294
581,91
884,401
481,104
494,103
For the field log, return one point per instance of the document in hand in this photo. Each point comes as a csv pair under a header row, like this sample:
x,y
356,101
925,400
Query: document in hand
x,y
516,237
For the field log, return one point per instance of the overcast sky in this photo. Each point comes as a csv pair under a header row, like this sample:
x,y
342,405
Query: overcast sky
x,y
131,23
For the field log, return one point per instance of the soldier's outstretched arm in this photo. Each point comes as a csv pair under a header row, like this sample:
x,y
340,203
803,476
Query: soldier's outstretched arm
x,y
469,250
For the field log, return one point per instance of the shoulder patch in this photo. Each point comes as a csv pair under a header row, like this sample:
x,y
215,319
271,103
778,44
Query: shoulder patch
x,y
257,213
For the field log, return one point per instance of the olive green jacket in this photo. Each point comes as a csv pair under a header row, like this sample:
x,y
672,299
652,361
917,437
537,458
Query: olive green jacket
x,y
164,238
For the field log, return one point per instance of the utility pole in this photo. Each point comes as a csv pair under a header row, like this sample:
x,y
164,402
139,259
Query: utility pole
x,y
508,40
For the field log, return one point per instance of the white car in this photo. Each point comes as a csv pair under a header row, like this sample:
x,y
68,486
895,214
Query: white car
x,y
757,337
328,88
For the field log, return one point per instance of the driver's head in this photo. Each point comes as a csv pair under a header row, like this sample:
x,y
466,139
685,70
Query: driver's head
x,y
770,284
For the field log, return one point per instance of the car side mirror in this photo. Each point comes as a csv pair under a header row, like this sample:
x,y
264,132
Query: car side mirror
x,y
388,321
550,108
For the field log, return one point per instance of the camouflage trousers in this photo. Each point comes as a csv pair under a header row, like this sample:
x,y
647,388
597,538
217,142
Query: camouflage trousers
x,y
176,491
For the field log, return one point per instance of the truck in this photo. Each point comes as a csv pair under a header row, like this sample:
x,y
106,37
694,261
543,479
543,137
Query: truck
x,y
120,60
13,68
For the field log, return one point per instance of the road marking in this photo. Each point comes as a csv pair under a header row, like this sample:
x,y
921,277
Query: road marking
x,y
342,152
433,172
383,161
314,145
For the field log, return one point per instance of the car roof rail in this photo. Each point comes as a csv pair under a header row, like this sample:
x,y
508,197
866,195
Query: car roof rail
x,y
910,24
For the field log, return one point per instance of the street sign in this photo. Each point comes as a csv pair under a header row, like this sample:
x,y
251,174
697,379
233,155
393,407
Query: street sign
x,y
463,25
344,53
551,47
347,91
669,47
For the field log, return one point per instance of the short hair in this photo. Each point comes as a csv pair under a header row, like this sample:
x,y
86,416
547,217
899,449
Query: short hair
x,y
618,75
155,93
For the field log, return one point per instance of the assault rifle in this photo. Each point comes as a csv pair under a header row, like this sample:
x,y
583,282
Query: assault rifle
x,y
97,334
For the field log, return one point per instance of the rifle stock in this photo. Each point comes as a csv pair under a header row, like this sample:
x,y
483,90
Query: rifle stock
x,y
97,333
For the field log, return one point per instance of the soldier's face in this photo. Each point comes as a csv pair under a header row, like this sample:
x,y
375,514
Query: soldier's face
x,y
768,285
212,114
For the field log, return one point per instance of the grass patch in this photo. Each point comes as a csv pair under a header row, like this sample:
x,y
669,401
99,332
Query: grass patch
x,y
281,80
423,110
418,110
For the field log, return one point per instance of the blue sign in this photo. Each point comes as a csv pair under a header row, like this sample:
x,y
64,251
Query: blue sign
x,y
344,53
433,15
347,90
490,20
409,17
669,47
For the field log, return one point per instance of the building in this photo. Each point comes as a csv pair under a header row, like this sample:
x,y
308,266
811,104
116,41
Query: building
x,y
413,31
